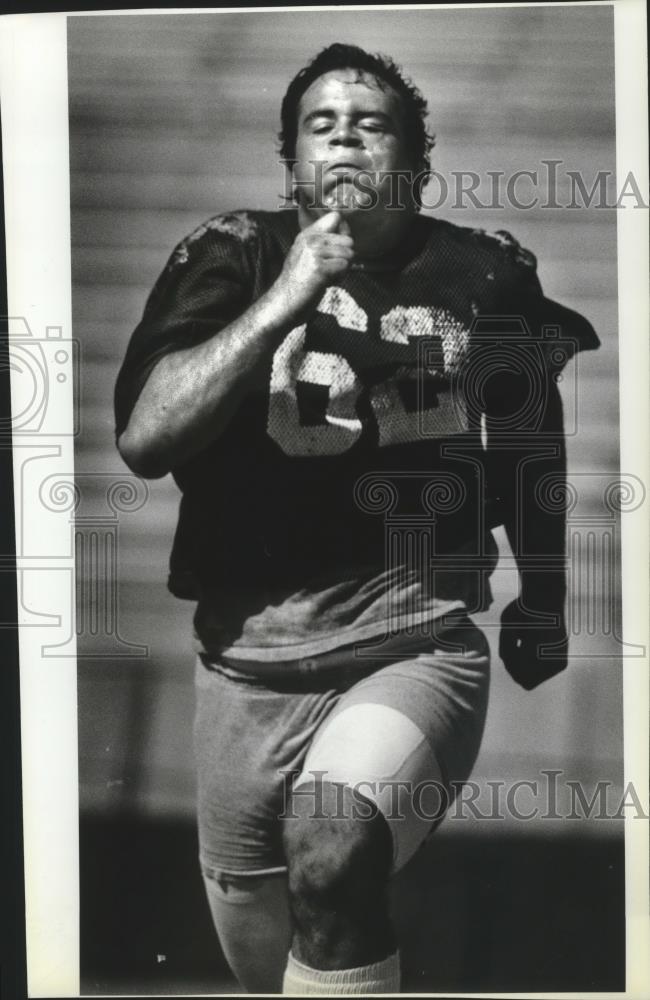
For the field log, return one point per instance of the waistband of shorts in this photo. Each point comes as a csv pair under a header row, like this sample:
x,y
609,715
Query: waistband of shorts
x,y
349,662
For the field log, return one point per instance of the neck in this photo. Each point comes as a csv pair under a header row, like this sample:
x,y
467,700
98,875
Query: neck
x,y
374,233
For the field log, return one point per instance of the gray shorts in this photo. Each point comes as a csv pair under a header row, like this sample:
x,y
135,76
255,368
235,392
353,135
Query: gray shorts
x,y
252,736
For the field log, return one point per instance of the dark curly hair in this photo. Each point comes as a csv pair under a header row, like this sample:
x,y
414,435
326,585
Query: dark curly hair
x,y
419,141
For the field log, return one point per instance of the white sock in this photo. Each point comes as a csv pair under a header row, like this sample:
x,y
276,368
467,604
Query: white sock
x,y
382,977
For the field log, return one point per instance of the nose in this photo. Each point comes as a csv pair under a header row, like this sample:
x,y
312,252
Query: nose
x,y
345,135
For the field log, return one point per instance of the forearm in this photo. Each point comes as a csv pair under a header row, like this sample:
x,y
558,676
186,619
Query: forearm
x,y
538,544
533,640
191,394
530,476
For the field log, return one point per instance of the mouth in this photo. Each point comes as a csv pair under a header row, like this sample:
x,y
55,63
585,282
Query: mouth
x,y
340,175
341,185
345,168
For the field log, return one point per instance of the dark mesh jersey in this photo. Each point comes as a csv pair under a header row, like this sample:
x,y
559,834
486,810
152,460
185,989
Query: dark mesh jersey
x,y
366,416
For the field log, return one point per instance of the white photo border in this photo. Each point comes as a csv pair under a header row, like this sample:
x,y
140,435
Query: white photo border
x,y
33,92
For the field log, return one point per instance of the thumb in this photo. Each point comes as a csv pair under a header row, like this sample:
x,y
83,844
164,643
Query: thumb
x,y
344,226
328,223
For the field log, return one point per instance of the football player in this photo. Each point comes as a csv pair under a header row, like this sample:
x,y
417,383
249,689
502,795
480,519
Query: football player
x,y
349,395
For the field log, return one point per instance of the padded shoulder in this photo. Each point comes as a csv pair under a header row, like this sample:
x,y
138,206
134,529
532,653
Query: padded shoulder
x,y
503,243
240,226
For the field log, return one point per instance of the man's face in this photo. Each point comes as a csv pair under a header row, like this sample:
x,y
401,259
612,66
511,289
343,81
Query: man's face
x,y
350,132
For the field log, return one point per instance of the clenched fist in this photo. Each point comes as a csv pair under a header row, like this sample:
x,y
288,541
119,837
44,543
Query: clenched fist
x,y
532,652
320,253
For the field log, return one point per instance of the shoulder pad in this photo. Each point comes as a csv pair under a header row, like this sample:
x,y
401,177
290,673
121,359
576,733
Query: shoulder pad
x,y
240,225
503,242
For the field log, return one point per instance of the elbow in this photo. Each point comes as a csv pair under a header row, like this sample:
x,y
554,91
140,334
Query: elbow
x,y
141,456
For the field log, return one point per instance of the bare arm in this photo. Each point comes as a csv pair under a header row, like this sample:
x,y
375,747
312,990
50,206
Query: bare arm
x,y
191,394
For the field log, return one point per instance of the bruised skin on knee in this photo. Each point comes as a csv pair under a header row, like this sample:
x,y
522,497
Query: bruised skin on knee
x,y
339,865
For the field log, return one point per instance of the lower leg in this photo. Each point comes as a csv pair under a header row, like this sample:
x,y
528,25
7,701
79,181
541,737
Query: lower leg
x,y
251,916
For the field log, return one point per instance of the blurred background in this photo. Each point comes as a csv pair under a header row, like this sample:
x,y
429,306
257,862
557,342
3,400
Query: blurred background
x,y
174,118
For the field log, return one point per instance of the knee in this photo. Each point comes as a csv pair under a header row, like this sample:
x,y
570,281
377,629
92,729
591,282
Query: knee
x,y
338,848
339,864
